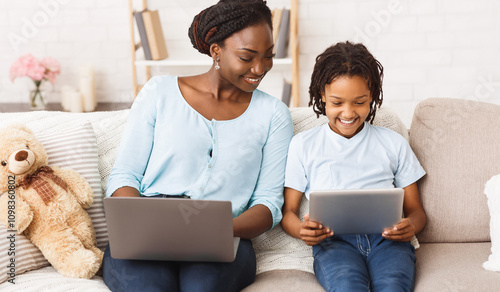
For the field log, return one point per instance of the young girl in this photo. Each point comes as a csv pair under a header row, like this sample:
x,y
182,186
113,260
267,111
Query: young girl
x,y
350,153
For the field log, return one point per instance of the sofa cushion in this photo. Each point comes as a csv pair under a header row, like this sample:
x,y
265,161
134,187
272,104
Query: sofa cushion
x,y
456,141
454,267
285,281
108,129
440,267
73,148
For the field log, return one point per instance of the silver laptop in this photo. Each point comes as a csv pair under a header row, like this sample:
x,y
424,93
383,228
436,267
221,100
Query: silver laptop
x,y
170,229
357,211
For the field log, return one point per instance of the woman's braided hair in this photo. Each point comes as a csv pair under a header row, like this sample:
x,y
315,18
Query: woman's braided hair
x,y
346,59
219,21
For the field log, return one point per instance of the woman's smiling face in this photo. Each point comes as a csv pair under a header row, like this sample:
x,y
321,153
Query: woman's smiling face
x,y
246,57
347,104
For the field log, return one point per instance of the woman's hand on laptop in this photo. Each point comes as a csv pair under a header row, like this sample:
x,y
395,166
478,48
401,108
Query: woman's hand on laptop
x,y
403,231
312,232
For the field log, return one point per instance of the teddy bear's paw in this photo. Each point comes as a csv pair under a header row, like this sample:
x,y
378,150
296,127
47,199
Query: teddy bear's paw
x,y
82,263
99,253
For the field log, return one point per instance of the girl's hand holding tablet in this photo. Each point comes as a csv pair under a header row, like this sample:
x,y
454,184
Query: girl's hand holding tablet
x,y
312,232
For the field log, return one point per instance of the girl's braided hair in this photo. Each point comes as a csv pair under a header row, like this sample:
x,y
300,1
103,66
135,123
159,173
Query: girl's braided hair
x,y
219,21
346,59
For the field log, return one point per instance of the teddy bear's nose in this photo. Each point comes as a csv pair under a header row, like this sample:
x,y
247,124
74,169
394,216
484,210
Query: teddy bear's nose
x,y
21,155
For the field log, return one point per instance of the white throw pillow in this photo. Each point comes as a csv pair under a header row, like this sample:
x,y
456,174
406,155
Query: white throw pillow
x,y
492,191
76,148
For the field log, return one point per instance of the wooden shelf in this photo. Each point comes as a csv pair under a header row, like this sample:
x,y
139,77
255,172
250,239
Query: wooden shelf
x,y
279,63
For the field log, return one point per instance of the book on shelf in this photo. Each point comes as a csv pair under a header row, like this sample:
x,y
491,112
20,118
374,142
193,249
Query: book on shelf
x,y
276,19
142,34
286,94
281,43
154,34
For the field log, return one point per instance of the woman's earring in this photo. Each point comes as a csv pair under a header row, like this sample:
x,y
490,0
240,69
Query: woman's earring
x,y
217,67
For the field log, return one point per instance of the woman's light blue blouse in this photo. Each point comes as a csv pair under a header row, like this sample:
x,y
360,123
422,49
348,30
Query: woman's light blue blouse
x,y
169,148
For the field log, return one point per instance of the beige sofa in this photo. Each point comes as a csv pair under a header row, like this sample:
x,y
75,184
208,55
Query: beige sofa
x,y
456,141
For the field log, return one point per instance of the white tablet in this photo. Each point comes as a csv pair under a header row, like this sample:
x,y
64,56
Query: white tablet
x,y
357,211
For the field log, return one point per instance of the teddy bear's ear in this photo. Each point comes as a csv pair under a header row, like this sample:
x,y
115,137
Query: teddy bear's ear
x,y
20,126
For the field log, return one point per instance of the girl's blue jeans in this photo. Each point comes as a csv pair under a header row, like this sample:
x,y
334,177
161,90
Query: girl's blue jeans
x,y
364,262
137,275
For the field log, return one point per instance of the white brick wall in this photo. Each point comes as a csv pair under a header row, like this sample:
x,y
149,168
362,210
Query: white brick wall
x,y
429,48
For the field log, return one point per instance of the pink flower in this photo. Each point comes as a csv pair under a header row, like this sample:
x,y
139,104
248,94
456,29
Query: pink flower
x,y
51,64
20,67
28,65
51,76
35,70
53,68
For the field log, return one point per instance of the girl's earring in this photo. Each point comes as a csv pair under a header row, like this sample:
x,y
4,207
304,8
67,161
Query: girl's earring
x,y
217,67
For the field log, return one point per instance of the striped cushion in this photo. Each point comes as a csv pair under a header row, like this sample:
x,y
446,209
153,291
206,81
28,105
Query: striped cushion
x,y
74,148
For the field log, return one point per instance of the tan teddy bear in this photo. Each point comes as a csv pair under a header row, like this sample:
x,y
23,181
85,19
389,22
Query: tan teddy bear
x,y
49,204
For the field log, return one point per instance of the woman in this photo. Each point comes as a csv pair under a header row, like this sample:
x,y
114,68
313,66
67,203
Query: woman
x,y
210,136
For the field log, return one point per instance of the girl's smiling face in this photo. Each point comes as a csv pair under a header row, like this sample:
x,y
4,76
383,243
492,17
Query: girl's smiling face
x,y
347,104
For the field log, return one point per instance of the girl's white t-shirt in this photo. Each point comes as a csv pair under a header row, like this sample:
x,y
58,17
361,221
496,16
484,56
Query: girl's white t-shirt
x,y
376,157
